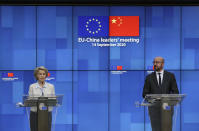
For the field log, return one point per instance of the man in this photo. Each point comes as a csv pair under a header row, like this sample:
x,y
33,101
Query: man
x,y
160,82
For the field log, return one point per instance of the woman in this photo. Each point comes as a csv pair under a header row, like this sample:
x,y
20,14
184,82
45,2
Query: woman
x,y
40,88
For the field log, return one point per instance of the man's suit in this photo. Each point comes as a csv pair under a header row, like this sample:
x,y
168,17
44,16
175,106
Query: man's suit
x,y
168,86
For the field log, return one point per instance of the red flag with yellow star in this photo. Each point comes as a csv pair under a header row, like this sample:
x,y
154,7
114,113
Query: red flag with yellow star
x,y
123,25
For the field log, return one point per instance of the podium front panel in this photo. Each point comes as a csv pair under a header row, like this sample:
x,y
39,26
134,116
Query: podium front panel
x,y
42,111
162,112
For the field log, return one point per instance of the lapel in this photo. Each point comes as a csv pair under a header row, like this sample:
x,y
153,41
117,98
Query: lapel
x,y
155,79
165,78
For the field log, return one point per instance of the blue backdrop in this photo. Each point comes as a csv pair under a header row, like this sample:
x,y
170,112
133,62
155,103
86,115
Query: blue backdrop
x,y
95,97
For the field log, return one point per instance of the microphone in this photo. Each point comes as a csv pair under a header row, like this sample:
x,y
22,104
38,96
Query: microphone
x,y
154,68
19,104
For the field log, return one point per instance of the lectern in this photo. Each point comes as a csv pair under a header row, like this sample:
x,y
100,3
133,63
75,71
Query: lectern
x,y
161,110
43,105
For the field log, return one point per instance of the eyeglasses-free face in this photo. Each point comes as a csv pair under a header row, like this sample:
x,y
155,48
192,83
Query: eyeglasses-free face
x,y
41,75
158,63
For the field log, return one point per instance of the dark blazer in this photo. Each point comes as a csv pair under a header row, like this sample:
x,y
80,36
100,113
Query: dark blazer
x,y
169,85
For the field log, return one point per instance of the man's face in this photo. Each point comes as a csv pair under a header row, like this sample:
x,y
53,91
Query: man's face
x,y
158,63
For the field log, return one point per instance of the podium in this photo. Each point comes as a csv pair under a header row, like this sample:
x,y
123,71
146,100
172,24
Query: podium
x,y
161,108
43,106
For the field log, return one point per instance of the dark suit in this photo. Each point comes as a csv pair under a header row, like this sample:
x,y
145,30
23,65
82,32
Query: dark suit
x,y
168,86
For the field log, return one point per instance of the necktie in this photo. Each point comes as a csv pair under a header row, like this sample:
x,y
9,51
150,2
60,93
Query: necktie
x,y
159,79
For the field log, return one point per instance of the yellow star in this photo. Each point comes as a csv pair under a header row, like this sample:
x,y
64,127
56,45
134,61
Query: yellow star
x,y
114,21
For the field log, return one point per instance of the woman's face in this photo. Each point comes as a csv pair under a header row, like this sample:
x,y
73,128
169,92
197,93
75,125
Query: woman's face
x,y
41,75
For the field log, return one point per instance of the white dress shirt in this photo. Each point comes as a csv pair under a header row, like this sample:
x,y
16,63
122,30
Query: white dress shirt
x,y
37,91
161,75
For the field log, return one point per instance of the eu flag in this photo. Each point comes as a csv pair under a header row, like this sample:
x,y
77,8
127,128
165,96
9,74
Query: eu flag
x,y
93,26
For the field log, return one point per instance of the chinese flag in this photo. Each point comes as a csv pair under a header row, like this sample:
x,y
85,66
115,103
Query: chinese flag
x,y
123,25
119,67
48,74
10,74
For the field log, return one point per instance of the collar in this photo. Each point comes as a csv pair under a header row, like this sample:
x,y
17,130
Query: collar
x,y
160,72
38,86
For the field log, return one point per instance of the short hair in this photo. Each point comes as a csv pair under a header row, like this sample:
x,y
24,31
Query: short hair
x,y
37,70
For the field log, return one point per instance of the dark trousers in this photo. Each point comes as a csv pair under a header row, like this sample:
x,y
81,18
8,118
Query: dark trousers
x,y
161,120
34,121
